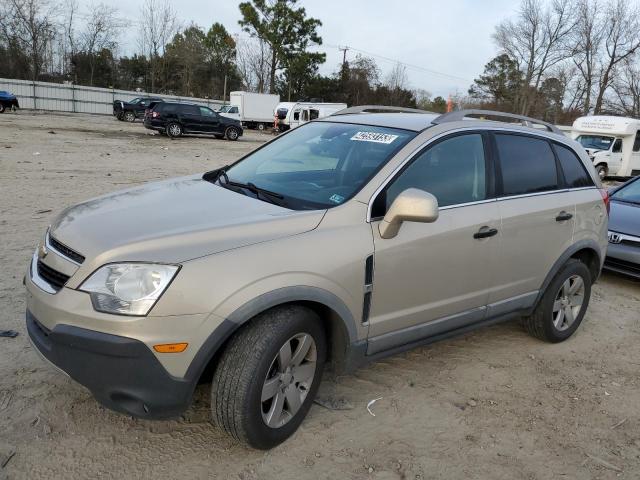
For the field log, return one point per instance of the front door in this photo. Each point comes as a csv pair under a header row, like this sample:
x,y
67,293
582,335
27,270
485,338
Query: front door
x,y
615,158
436,277
209,120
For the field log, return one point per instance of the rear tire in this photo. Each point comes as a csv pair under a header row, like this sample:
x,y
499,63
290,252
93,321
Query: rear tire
x,y
174,130
602,171
268,375
232,134
261,127
557,315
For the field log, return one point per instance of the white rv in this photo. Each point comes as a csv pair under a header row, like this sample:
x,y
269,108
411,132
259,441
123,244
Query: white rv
x,y
293,114
254,110
613,143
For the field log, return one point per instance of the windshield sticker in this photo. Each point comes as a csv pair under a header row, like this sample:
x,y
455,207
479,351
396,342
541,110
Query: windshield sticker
x,y
335,198
374,137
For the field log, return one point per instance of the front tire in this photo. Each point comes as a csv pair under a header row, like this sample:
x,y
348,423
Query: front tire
x,y
602,171
268,375
130,117
232,134
563,305
174,130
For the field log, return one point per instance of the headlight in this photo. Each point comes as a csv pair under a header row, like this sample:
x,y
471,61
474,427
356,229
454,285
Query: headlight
x,y
128,288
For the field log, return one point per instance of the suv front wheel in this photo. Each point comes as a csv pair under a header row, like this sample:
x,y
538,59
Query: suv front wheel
x,y
232,133
268,375
563,304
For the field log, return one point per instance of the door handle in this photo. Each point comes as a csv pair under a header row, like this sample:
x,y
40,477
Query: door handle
x,y
485,232
563,216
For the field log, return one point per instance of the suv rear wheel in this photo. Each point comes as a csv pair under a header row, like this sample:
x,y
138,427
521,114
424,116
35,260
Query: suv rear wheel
x,y
268,375
563,304
174,129
232,133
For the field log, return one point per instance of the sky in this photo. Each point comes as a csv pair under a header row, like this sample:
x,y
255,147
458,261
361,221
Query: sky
x,y
452,38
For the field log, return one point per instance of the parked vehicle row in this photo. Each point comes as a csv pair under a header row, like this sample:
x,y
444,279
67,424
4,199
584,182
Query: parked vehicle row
x,y
348,239
8,101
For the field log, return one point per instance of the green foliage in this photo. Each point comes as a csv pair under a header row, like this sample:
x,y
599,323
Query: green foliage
x,y
288,32
500,83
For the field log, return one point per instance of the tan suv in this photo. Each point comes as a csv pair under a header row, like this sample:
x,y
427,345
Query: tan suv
x,y
350,238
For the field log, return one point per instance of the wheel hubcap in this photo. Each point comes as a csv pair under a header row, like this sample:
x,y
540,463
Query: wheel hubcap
x,y
568,302
175,130
288,380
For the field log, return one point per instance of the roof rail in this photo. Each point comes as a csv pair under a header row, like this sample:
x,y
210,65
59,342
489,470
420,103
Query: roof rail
x,y
462,114
377,109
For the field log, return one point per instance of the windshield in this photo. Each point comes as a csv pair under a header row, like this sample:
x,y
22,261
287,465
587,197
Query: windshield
x,y
225,109
321,164
630,193
135,101
598,142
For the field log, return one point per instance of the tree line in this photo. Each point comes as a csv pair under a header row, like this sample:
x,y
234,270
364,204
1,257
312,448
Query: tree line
x,y
560,59
557,59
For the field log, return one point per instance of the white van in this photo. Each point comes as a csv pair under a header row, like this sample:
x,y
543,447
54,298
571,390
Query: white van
x,y
293,114
613,143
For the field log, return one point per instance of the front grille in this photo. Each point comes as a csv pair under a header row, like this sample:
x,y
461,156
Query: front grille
x,y
66,251
53,277
625,265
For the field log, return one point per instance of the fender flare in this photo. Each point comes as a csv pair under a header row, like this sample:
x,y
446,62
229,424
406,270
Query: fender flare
x,y
568,253
258,305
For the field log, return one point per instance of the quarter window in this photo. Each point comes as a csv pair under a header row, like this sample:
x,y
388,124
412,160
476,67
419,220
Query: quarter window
x,y
453,170
574,172
527,164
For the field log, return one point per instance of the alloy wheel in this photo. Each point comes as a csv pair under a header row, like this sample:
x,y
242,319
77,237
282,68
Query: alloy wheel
x,y
289,380
174,130
568,302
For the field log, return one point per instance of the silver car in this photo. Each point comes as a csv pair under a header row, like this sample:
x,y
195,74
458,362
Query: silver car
x,y
350,238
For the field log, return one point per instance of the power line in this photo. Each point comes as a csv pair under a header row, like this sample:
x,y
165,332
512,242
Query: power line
x,y
396,61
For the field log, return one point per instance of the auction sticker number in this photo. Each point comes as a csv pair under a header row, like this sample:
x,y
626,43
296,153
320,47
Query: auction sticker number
x,y
374,137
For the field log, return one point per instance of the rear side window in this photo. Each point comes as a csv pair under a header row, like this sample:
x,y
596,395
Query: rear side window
x,y
189,109
574,172
528,164
167,107
452,170
636,142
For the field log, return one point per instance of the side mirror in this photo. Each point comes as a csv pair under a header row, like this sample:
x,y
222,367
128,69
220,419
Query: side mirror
x,y
412,205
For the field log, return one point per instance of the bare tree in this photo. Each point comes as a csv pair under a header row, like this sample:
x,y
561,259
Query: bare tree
x,y
159,25
31,23
253,63
626,88
536,40
587,38
397,78
621,42
100,32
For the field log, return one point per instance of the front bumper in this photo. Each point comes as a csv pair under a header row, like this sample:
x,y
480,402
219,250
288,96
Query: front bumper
x,y
623,258
122,373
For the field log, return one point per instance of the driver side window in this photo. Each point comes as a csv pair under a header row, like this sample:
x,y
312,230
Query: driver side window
x,y
617,147
453,170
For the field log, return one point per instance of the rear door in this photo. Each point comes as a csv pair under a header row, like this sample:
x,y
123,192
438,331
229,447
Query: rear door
x,y
537,218
190,118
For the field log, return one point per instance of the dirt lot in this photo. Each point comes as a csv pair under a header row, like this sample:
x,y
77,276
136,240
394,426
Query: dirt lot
x,y
495,404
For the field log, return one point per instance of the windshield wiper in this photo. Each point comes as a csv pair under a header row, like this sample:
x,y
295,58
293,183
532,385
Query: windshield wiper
x,y
260,193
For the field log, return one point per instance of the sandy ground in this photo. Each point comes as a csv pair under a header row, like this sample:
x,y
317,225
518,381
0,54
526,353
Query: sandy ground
x,y
495,404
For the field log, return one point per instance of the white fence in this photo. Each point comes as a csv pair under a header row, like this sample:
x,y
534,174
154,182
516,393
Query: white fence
x,y
74,98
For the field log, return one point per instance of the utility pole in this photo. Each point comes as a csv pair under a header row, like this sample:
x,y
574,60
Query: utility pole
x,y
224,92
344,54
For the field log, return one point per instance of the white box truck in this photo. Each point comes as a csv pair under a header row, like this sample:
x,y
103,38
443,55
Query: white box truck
x,y
254,110
293,114
613,143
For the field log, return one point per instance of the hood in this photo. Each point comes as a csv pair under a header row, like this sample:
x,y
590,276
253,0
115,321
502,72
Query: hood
x,y
174,221
624,218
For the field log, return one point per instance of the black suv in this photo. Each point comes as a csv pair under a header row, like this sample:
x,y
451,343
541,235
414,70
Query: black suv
x,y
174,119
129,111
